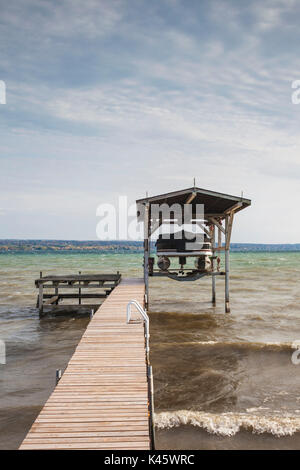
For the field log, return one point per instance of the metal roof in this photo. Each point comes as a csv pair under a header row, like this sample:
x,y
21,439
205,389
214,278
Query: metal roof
x,y
215,204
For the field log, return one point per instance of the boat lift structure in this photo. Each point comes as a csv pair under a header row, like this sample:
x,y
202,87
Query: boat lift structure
x,y
216,223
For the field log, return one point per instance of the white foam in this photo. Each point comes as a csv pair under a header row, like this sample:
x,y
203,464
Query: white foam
x,y
229,424
244,344
256,344
255,409
206,342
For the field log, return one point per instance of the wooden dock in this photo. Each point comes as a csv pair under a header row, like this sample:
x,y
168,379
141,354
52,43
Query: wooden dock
x,y
102,400
51,291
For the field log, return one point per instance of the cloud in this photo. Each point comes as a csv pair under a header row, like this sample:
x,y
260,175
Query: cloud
x,y
107,97
271,14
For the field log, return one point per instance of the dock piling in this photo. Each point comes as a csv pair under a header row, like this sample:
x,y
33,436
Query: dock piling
x,y
213,263
79,292
41,299
227,243
58,376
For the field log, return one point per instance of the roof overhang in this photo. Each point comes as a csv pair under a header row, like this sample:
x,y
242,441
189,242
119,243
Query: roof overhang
x,y
215,204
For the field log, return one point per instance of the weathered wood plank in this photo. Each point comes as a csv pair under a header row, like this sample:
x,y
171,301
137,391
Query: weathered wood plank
x,y
101,402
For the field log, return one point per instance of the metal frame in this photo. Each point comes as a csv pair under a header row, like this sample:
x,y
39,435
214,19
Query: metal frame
x,y
211,224
145,318
214,224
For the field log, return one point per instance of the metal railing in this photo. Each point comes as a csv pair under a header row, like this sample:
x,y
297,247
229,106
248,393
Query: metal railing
x,y
145,318
149,367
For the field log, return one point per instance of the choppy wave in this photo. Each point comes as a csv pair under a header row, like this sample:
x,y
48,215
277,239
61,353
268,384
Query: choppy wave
x,y
278,345
273,345
229,424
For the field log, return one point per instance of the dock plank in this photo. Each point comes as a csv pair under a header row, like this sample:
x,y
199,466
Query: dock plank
x,y
101,401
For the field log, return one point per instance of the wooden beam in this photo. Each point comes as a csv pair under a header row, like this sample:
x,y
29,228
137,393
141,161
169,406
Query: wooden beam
x,y
52,300
233,208
76,286
83,278
191,197
213,278
75,296
215,222
229,229
219,239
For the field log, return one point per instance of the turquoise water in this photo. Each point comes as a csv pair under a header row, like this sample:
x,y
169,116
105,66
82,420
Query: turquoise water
x,y
221,381
18,271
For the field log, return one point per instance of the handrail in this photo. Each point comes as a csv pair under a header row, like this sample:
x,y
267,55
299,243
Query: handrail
x,y
145,317
149,367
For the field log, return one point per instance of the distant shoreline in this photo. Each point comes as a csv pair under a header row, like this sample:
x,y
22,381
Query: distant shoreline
x,y
118,246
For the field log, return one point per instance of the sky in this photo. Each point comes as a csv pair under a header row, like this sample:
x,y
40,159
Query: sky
x,y
109,98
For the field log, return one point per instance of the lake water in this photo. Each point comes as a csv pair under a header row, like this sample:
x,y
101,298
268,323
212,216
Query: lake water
x,y
222,381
